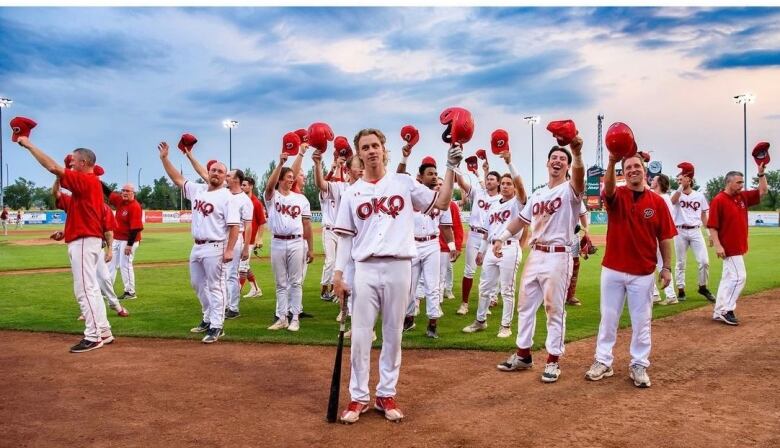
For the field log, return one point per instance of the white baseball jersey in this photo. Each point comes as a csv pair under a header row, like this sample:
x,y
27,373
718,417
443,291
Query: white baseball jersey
x,y
286,213
687,211
668,201
552,214
245,208
428,224
380,215
496,218
480,203
330,200
212,211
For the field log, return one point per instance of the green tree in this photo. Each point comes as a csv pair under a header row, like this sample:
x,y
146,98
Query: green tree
x,y
42,198
714,186
143,195
770,201
19,194
264,180
165,196
311,191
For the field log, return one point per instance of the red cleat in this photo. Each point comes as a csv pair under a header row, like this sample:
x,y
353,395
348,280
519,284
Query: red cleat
x,y
388,406
353,411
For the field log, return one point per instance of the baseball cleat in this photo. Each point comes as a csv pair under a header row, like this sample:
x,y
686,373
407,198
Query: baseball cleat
x,y
681,294
86,346
230,314
212,335
463,309
504,332
294,325
432,332
353,411
107,338
253,293
639,375
598,371
669,301
325,297
726,319
706,293
128,296
515,362
731,316
409,324
202,326
475,327
449,295
280,324
551,372
656,299
389,408
573,302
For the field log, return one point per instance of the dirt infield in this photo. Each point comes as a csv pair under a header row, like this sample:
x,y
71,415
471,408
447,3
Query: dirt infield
x,y
35,242
713,385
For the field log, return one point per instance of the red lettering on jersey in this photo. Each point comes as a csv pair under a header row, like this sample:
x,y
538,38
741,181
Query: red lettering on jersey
x,y
391,206
434,213
286,209
692,205
547,207
484,205
205,208
500,217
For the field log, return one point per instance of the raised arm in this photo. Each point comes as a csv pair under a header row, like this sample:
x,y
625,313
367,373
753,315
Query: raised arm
x,y
610,182
577,167
454,156
274,178
319,179
298,162
170,170
200,169
405,151
520,193
763,185
47,162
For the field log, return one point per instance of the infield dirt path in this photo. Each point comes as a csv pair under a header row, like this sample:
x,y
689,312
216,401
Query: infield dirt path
x,y
713,385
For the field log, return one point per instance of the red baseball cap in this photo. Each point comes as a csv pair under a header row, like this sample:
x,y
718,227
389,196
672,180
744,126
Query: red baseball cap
x,y
499,141
21,127
342,148
472,163
645,156
411,135
290,143
187,141
68,161
460,125
620,140
761,153
303,135
686,169
563,130
481,154
428,160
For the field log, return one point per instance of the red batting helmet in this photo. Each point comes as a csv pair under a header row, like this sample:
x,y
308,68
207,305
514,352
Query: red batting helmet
x,y
620,140
98,170
342,148
686,169
21,127
428,160
187,141
761,153
319,136
563,130
460,125
303,135
290,143
411,135
499,141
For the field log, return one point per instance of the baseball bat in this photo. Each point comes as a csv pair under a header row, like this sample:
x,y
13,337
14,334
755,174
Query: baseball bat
x,y
335,382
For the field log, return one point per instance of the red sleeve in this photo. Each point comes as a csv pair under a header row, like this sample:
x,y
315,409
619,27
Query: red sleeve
x,y
63,202
752,197
667,229
713,221
457,225
109,223
136,217
609,202
73,181
115,199
259,213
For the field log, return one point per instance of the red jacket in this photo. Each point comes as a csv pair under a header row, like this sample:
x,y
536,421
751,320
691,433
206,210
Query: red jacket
x,y
457,229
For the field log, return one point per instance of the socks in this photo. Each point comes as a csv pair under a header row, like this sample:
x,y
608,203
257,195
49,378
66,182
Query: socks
x,y
466,288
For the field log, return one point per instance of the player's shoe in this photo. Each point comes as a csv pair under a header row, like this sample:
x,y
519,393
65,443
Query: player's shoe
x,y
730,315
669,301
598,371
230,314
294,325
656,299
340,316
409,324
107,338
253,292
389,408
353,411
212,335
515,362
726,318
128,296
81,317
475,327
325,297
86,346
202,326
681,294
706,293
573,302
432,332
551,372
123,312
639,375
463,309
280,324
449,295
504,332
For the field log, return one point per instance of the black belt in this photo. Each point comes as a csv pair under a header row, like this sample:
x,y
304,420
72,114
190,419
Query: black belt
x,y
328,227
687,227
286,237
422,239
208,241
478,230
550,249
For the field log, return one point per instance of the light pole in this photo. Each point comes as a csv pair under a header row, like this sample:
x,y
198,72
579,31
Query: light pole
x,y
230,124
532,120
138,185
744,99
4,103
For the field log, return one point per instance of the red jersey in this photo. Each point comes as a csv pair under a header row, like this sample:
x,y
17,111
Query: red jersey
x,y
85,212
128,217
729,216
109,223
258,217
4,215
636,222
457,229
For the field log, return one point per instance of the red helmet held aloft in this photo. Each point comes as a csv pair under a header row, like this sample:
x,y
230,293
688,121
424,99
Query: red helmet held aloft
x,y
499,141
187,141
460,125
563,130
98,170
481,154
620,140
428,160
342,148
686,169
21,127
319,136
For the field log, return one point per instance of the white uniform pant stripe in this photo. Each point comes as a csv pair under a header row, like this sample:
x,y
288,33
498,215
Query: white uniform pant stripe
x,y
732,282
426,267
288,259
691,238
382,286
124,263
669,290
106,283
329,239
208,276
501,271
234,286
84,254
472,248
615,288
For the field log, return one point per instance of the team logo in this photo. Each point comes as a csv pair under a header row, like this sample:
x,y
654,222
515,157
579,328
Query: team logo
x,y
391,206
434,213
124,212
546,207
205,208
286,209
649,213
500,217
482,204
691,204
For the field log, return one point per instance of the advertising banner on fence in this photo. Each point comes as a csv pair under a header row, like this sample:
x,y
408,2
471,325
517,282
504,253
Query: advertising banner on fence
x,y
153,216
764,219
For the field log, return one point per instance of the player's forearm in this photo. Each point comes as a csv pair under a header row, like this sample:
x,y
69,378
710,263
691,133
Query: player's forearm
x,y
247,232
55,188
131,236
715,237
197,166
343,253
307,233
109,239
447,234
609,179
763,186
578,174
47,162
401,168
298,163
172,172
463,184
232,237
512,228
445,192
271,183
319,180
666,246
675,198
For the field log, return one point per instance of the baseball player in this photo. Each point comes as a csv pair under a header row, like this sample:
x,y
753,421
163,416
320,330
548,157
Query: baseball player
x,y
481,199
551,212
690,211
660,186
215,228
289,218
571,291
255,240
330,196
639,223
375,227
500,269
449,252
127,237
426,264
19,218
728,224
297,187
84,236
4,215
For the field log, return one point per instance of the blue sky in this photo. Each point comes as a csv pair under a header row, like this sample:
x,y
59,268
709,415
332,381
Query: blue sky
x,y
120,80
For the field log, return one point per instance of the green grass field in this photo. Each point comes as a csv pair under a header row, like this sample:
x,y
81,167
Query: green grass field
x,y
167,306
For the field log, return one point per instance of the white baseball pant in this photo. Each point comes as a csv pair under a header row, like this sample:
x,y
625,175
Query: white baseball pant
x,y
329,240
426,266
208,276
545,280
124,263
244,265
732,281
503,270
233,284
288,261
382,285
349,278
84,254
445,272
615,288
106,283
669,291
691,238
473,243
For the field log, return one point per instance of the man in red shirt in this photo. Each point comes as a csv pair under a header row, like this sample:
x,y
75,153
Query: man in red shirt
x,y
84,236
639,223
127,237
728,224
255,242
449,251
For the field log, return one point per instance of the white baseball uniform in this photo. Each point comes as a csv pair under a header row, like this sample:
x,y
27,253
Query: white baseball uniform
x,y
245,211
552,214
288,251
687,217
480,202
379,217
426,265
329,204
669,290
212,214
500,270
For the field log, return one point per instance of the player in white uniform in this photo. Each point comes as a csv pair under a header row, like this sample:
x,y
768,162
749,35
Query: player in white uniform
x,y
660,186
552,212
375,227
500,269
330,197
289,218
481,199
215,229
690,211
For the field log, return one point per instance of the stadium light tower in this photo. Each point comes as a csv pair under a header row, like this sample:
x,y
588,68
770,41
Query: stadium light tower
x,y
4,103
230,124
744,99
532,120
